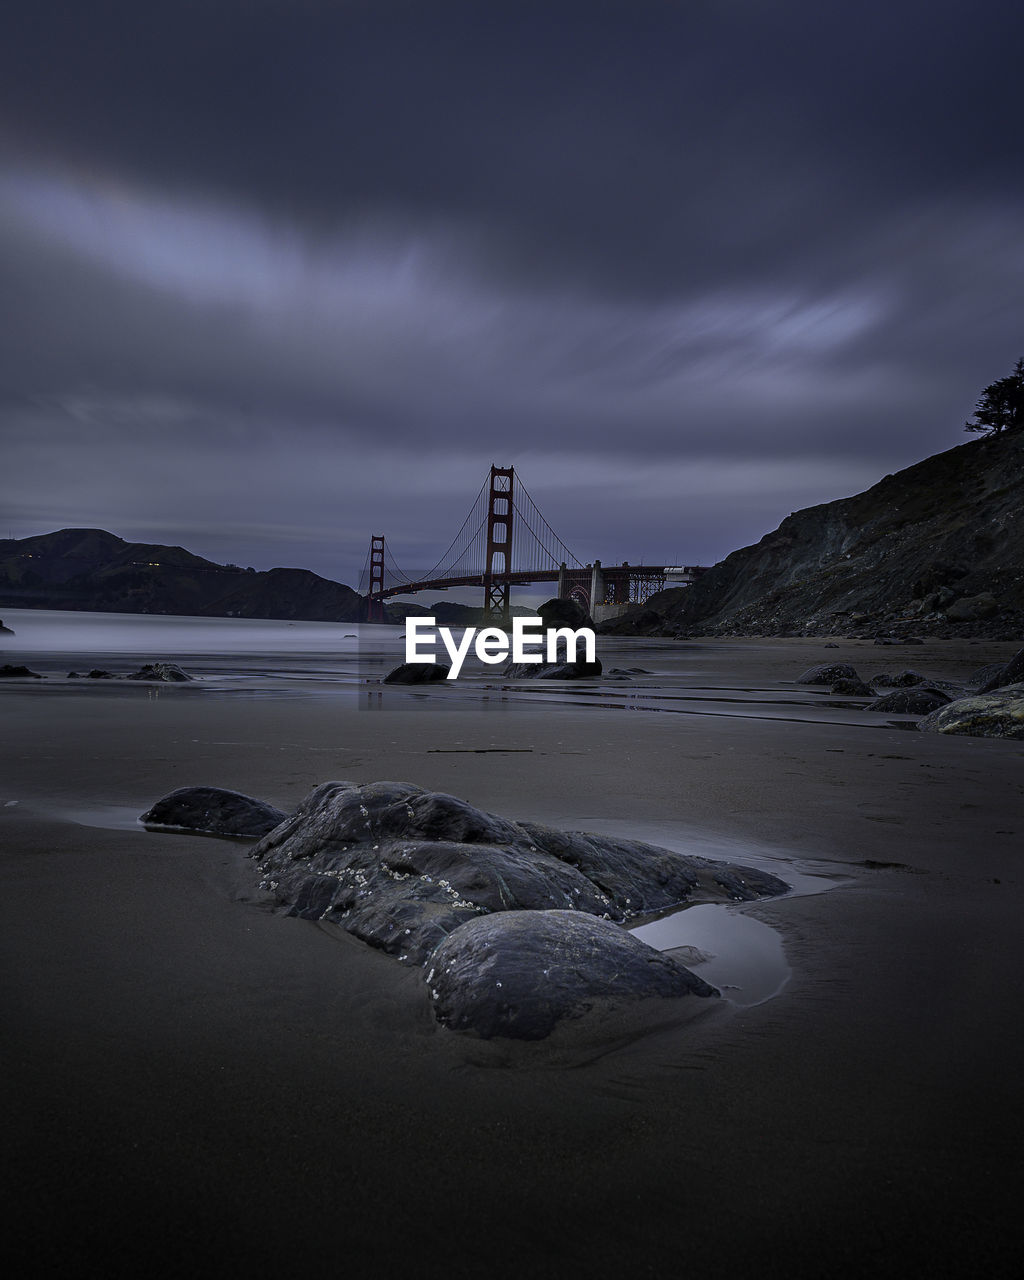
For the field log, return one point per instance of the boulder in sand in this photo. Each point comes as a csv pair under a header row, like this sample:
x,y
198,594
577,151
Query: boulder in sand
x,y
214,811
999,714
828,673
918,701
402,868
853,689
518,974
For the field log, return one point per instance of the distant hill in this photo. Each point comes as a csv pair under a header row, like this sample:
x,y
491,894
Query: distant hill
x,y
936,548
94,570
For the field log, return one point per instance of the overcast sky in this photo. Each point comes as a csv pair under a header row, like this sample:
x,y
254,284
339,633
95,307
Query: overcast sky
x,y
278,275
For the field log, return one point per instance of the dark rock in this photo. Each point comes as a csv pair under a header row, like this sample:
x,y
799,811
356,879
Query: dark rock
x,y
7,670
913,702
552,670
417,673
166,672
1011,673
828,673
977,680
999,714
519,973
5,631
973,608
215,811
903,680
853,689
564,613
401,868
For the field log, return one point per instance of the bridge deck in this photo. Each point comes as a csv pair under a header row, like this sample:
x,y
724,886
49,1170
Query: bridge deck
x,y
524,577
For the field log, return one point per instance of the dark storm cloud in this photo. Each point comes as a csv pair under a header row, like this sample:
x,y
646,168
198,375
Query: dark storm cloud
x,y
269,267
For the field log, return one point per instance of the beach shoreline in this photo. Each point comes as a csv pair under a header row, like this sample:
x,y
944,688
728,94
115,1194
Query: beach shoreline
x,y
193,1077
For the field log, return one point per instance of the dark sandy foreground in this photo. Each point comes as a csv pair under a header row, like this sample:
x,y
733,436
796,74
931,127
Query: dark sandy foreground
x,y
193,1081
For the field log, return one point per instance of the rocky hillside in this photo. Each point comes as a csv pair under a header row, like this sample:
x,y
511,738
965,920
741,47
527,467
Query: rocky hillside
x,y
938,547
93,569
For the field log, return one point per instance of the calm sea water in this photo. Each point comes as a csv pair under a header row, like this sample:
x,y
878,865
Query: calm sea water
x,y
53,642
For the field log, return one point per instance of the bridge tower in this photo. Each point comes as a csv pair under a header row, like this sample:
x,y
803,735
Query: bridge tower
x,y
375,598
498,563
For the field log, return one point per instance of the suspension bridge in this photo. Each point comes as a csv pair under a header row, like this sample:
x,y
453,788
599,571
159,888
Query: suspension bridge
x,y
504,542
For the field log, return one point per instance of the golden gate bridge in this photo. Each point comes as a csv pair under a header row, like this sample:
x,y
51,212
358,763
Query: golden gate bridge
x,y
505,541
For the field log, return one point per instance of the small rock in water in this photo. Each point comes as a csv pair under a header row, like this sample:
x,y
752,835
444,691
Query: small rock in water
x,y
167,672
417,673
10,671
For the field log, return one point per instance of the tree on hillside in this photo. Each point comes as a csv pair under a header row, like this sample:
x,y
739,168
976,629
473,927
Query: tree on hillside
x,y
1001,406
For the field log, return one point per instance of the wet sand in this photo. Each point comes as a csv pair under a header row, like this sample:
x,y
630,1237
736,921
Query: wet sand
x,y
191,1079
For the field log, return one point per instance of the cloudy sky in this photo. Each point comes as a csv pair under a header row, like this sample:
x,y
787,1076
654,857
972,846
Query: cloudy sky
x,y
277,274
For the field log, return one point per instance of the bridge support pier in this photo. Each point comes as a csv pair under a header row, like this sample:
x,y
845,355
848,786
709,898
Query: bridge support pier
x,y
596,584
498,560
563,589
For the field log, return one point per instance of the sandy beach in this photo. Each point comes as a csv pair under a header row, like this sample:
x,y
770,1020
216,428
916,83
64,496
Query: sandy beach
x,y
191,1079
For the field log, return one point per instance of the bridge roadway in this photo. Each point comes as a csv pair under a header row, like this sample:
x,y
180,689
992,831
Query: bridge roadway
x,y
614,584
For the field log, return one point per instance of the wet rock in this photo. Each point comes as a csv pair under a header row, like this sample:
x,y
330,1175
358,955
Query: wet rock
x,y
853,689
1011,673
914,702
418,673
5,631
94,674
999,714
828,673
167,672
564,613
8,670
902,680
215,811
552,670
519,974
401,868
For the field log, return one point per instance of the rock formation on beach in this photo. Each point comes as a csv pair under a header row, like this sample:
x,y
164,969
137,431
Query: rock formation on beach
x,y
95,570
424,876
214,811
990,704
938,547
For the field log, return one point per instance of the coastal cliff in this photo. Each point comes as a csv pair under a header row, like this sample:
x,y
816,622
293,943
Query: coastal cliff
x,y
938,547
